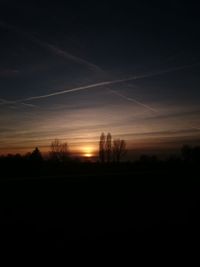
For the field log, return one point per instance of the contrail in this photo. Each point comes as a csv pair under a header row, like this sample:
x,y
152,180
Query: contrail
x,y
67,55
29,105
91,66
52,48
94,85
134,100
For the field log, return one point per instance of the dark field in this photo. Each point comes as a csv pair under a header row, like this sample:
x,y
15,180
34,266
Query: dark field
x,y
140,211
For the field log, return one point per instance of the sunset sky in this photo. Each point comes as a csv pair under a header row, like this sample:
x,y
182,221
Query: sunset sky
x,y
74,71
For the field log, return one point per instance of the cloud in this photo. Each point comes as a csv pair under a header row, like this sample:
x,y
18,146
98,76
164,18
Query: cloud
x,y
170,133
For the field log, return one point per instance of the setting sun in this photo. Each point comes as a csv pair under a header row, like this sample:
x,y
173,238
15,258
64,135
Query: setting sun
x,y
88,151
88,155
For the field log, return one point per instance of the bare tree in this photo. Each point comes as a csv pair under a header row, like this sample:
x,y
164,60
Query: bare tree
x,y
108,147
119,149
102,148
59,150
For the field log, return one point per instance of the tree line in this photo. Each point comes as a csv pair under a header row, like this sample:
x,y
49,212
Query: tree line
x,y
110,151
60,162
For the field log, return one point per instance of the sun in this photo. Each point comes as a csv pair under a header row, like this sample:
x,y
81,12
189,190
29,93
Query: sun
x,y
88,155
87,151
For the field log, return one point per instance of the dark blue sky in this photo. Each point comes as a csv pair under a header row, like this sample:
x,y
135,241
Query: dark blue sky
x,y
147,51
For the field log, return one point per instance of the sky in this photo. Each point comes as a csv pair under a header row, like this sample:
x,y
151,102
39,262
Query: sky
x,y
74,70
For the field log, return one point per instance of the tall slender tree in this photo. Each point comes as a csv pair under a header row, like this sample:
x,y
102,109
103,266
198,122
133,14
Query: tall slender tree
x,y
108,147
102,148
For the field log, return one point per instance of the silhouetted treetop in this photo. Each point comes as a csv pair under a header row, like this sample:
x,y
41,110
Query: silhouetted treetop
x,y
36,155
102,143
108,147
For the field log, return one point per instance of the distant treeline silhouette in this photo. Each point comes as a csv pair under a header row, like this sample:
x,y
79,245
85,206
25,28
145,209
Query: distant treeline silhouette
x,y
60,162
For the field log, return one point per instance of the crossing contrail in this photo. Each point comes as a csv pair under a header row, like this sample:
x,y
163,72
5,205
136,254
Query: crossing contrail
x,y
133,100
54,49
105,83
64,54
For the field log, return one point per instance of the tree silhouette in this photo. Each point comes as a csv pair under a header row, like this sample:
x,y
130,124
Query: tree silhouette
x,y
108,147
119,149
59,151
36,155
102,148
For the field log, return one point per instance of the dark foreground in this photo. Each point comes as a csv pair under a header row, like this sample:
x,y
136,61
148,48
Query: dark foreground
x,y
135,212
